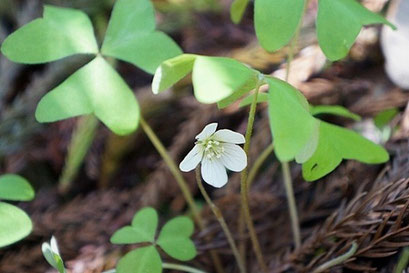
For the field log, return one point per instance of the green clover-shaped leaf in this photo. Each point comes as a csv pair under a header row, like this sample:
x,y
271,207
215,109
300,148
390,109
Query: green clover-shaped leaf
x,y
174,238
15,188
295,131
215,79
339,23
95,88
52,255
131,36
335,144
141,260
60,33
142,229
276,21
14,224
336,110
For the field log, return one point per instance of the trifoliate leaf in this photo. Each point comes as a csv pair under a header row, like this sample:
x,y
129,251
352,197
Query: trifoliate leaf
x,y
141,260
276,21
15,188
237,9
295,131
95,88
174,238
334,110
14,224
143,228
131,36
339,23
217,78
60,33
336,143
171,71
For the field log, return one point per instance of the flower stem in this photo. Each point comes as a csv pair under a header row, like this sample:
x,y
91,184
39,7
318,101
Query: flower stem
x,y
258,163
180,267
292,207
182,184
173,168
219,216
252,174
244,186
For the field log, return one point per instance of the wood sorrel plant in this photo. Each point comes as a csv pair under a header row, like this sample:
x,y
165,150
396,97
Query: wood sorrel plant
x,y
298,135
15,223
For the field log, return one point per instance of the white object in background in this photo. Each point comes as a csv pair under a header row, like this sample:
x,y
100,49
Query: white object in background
x,y
395,44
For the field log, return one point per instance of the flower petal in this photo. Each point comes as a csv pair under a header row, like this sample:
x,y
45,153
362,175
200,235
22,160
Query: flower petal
x,y
229,136
54,245
207,131
214,173
192,159
234,158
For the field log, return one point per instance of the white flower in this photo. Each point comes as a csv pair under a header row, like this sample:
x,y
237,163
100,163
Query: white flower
x,y
217,151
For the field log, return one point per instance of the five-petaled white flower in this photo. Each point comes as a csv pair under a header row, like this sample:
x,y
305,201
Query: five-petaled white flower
x,y
217,151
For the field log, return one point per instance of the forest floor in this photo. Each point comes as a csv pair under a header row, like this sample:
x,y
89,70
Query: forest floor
x,y
357,203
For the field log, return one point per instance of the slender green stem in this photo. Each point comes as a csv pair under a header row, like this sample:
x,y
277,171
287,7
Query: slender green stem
x,y
180,267
338,260
182,185
258,163
220,218
292,207
173,169
244,187
252,174
295,225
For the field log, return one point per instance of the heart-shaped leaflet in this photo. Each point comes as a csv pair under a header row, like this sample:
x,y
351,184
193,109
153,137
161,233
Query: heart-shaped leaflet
x,y
60,33
131,36
339,23
142,229
337,143
174,238
95,88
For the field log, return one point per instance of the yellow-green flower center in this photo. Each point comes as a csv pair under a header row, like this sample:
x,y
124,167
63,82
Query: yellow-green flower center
x,y
212,148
